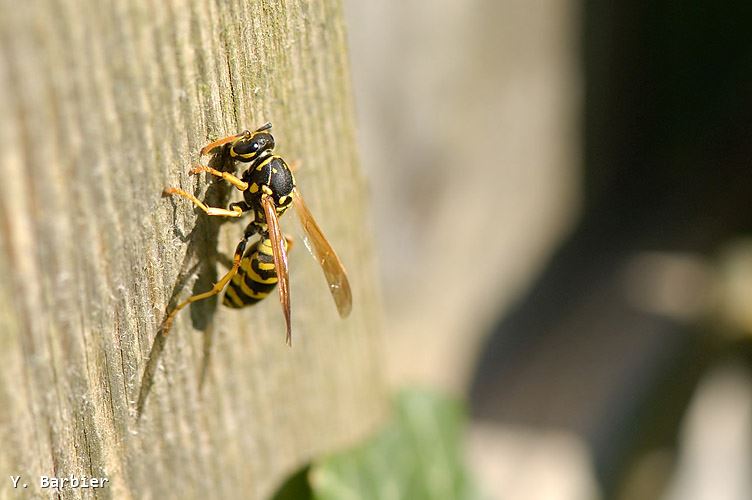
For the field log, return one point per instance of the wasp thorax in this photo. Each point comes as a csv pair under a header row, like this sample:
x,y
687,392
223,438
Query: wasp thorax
x,y
269,175
246,149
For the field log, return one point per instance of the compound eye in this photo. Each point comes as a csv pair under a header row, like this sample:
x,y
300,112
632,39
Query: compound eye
x,y
244,148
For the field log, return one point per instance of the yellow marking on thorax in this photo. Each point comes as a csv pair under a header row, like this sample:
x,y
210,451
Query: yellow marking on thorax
x,y
261,165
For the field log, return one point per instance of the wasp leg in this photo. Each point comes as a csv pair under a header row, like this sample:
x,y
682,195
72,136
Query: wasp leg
x,y
239,205
235,212
226,176
218,287
221,142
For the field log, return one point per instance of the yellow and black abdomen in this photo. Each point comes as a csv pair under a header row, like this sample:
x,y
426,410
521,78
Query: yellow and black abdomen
x,y
256,277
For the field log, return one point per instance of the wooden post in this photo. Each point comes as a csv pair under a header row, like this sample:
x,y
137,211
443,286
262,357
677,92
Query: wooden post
x,y
104,104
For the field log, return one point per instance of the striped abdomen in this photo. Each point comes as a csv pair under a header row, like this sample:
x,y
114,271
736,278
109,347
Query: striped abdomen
x,y
256,277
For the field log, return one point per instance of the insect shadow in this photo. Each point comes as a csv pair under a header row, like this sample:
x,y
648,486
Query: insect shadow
x,y
202,247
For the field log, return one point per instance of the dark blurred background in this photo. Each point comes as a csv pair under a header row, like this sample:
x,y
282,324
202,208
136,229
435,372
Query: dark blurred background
x,y
563,200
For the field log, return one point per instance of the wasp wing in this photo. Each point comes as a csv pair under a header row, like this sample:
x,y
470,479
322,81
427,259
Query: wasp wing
x,y
280,259
323,252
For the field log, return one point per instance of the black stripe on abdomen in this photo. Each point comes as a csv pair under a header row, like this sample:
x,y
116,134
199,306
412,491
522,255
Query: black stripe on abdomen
x,y
243,291
255,279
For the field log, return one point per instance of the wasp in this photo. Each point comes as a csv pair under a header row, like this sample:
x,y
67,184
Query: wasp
x,y
268,187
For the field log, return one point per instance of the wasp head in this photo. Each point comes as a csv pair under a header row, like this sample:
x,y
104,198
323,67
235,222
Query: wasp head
x,y
251,145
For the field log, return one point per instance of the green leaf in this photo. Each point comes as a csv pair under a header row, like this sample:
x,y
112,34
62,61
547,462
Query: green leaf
x,y
417,455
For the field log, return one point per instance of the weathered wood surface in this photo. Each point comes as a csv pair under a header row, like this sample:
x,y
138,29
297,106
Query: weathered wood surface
x,y
104,104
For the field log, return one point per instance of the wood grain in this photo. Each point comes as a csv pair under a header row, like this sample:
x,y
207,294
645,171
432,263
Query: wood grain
x,y
103,105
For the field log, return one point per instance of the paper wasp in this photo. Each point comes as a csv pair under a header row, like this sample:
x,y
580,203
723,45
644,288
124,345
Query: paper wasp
x,y
268,187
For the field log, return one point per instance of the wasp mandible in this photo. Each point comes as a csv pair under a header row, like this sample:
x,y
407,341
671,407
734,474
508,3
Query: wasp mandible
x,y
268,187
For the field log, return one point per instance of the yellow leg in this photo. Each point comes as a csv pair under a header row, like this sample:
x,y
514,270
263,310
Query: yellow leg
x,y
226,176
221,142
235,212
218,287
